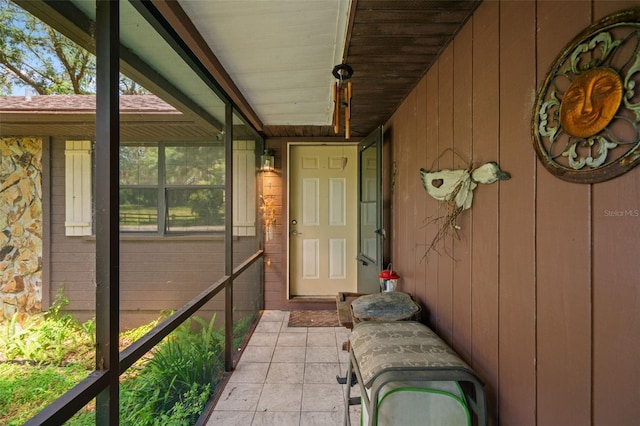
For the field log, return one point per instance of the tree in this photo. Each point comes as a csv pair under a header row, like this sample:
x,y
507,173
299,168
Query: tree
x,y
32,54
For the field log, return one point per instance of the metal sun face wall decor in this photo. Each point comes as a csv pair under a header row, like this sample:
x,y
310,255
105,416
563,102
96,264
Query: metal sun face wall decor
x,y
585,122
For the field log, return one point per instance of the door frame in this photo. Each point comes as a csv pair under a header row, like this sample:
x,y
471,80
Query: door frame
x,y
286,215
369,268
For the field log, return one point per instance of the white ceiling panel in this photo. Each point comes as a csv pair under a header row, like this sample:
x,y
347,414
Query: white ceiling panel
x,y
280,53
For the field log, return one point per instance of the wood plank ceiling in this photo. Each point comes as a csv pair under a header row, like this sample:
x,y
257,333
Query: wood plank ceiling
x,y
390,45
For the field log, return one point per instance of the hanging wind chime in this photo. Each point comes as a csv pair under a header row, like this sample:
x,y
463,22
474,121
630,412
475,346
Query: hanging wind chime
x,y
342,98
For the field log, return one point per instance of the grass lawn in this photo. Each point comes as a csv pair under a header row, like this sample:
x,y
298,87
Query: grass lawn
x,y
26,389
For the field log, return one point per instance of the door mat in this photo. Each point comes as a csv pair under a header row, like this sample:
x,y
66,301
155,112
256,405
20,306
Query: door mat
x,y
313,319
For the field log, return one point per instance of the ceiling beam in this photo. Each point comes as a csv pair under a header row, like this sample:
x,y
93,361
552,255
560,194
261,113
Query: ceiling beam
x,y
182,25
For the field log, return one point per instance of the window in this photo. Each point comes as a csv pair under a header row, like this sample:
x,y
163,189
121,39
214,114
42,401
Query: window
x,y
166,187
169,187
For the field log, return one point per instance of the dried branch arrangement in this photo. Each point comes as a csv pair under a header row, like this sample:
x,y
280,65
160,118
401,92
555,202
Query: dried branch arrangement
x,y
455,189
447,224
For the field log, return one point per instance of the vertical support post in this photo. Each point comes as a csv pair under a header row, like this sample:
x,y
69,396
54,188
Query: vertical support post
x,y
228,239
107,207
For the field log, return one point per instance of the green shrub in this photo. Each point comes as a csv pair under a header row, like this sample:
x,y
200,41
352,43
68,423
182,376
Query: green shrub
x,y
240,329
176,383
184,368
171,386
48,338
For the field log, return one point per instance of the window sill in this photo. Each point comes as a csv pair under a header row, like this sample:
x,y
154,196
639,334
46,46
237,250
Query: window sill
x,y
169,237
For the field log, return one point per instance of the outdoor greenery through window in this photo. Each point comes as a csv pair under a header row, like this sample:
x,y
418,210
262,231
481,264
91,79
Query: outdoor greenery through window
x,y
172,188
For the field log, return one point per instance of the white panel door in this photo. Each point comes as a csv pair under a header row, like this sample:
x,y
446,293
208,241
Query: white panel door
x,y
322,220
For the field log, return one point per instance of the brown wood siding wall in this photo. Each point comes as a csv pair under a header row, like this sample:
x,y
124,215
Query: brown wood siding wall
x,y
615,290
540,291
156,274
514,375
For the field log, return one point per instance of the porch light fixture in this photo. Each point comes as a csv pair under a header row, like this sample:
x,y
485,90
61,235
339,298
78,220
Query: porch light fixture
x,y
342,98
267,160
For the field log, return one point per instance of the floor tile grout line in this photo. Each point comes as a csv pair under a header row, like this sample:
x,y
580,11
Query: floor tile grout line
x,y
336,349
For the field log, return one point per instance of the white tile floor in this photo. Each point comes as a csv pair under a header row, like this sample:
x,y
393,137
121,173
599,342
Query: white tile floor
x,y
287,376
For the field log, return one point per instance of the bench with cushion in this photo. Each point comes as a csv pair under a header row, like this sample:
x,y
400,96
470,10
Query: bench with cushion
x,y
408,375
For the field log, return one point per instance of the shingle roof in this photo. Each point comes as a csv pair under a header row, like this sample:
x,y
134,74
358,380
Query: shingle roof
x,y
142,117
82,104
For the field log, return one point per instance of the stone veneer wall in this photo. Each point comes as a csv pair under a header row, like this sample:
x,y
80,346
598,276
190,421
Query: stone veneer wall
x,y
20,226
